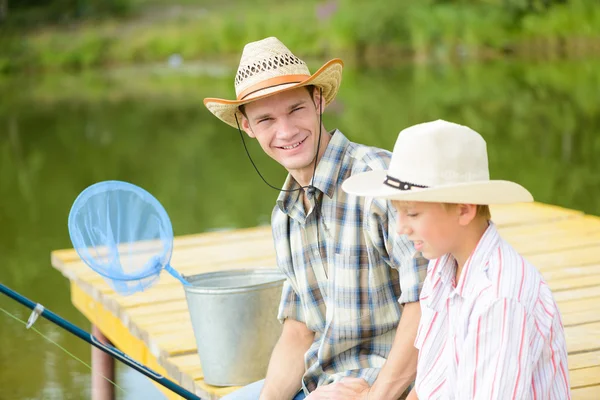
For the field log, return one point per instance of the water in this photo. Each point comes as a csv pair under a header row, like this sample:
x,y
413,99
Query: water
x,y
59,134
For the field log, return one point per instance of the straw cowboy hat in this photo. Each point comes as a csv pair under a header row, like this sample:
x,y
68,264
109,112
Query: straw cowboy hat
x,y
439,162
268,67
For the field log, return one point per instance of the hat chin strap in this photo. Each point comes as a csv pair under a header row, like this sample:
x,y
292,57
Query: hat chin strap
x,y
401,185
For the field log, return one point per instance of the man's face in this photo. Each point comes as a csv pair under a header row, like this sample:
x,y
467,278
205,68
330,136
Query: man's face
x,y
287,127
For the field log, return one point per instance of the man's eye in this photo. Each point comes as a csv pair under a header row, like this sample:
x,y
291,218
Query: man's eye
x,y
263,120
412,215
297,108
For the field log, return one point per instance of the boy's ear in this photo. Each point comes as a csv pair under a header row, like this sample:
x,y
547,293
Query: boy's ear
x,y
246,127
466,213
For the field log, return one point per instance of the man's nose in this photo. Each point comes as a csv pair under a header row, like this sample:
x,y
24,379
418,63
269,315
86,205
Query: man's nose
x,y
286,128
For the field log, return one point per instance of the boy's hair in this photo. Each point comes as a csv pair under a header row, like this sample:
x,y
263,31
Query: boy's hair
x,y
483,210
309,88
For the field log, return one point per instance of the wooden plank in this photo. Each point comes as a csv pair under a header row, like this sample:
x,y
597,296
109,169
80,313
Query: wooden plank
x,y
584,377
581,317
572,272
189,258
206,239
588,255
583,338
584,360
587,393
555,243
576,224
574,283
119,335
575,294
570,306
529,213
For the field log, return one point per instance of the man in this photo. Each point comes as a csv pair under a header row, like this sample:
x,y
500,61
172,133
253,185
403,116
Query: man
x,y
349,305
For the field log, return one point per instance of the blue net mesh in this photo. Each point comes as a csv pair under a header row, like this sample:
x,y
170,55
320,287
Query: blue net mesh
x,y
123,233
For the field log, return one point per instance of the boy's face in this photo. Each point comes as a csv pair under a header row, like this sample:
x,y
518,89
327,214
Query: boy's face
x,y
432,227
286,126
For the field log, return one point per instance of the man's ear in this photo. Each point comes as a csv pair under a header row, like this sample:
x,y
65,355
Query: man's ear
x,y
317,99
246,127
466,213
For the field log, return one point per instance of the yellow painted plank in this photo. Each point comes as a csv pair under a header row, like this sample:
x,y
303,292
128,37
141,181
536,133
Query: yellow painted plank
x,y
588,255
159,308
168,344
570,306
556,242
207,239
529,213
574,283
156,319
588,393
122,339
218,391
571,272
575,294
584,377
110,326
584,360
576,224
188,258
581,317
582,337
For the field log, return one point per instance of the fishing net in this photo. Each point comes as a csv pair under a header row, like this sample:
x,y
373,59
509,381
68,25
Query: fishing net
x,y
123,233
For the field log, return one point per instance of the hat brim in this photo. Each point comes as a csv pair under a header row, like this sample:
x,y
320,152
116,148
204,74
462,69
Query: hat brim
x,y
370,184
328,78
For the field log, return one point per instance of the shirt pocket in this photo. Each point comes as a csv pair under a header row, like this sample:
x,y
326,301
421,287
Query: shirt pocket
x,y
362,302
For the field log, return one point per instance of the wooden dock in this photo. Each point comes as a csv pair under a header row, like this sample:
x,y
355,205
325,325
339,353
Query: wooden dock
x,y
154,327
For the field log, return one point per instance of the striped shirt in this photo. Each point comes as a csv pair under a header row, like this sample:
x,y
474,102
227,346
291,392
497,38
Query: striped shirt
x,y
347,282
496,334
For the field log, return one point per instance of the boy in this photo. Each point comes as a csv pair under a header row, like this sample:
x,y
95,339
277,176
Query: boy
x,y
490,328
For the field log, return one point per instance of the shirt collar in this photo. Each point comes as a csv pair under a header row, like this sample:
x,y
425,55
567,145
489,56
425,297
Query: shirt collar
x,y
326,174
445,266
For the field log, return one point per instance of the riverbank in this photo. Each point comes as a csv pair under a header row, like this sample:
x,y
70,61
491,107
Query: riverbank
x,y
365,33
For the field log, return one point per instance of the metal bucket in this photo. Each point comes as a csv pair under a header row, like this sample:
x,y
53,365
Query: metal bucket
x,y
234,317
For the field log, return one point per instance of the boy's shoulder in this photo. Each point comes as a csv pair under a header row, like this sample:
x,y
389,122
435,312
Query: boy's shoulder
x,y
514,277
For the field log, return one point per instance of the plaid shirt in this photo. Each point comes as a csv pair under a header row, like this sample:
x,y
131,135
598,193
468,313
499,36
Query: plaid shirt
x,y
348,282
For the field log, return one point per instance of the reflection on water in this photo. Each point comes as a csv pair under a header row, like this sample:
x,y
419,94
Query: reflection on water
x,y
59,134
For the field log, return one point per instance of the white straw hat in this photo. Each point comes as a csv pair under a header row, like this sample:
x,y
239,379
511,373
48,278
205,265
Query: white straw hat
x,y
439,162
268,67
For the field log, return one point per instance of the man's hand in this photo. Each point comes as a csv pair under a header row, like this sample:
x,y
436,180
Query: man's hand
x,y
346,389
400,368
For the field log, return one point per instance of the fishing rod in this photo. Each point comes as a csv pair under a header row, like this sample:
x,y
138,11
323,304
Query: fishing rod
x,y
39,309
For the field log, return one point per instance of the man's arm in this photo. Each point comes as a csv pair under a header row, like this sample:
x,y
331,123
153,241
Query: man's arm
x,y
400,369
412,395
286,366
